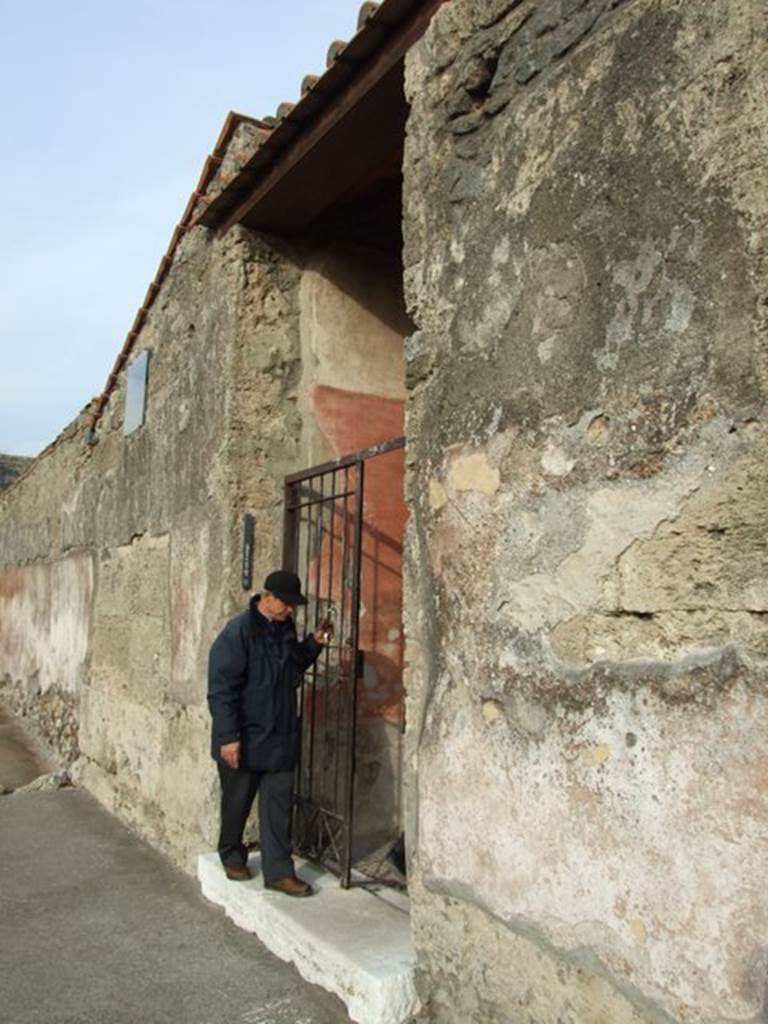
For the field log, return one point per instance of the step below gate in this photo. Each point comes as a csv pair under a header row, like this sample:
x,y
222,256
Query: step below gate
x,y
323,544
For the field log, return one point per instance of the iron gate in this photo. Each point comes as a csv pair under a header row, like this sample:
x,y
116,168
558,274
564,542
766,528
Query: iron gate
x,y
323,530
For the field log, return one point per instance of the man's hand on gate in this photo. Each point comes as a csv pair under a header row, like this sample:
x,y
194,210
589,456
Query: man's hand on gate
x,y
230,754
324,632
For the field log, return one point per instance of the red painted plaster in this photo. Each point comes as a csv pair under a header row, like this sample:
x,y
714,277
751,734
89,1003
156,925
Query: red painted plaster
x,y
352,421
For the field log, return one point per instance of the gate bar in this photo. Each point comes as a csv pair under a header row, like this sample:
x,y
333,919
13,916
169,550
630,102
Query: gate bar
x,y
306,496
355,623
347,460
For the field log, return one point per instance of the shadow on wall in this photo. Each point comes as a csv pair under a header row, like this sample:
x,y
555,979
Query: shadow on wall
x,y
371,279
353,326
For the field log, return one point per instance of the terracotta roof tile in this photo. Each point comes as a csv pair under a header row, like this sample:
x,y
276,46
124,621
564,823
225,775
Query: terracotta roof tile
x,y
284,110
309,82
367,11
335,50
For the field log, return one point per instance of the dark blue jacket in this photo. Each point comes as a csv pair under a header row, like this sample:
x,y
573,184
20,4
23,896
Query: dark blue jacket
x,y
253,670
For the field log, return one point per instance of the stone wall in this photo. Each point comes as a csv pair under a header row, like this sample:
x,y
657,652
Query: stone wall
x,y
123,559
11,466
585,216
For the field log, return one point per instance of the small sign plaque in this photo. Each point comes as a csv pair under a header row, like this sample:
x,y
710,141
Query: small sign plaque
x,y
247,567
136,392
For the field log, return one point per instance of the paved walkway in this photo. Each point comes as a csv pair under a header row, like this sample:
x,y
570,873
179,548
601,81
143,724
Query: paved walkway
x,y
98,928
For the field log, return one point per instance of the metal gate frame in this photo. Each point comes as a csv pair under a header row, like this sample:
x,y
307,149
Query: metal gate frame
x,y
323,828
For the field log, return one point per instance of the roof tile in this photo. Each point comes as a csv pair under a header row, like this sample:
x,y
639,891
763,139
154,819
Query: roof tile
x,y
367,11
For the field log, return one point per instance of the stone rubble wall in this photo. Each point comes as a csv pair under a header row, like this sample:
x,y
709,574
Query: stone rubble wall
x,y
11,466
586,597
121,561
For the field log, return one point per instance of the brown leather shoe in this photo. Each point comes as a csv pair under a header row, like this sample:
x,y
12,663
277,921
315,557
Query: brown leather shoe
x,y
291,886
237,872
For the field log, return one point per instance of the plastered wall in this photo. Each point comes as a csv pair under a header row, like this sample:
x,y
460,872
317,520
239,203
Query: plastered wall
x,y
353,325
586,559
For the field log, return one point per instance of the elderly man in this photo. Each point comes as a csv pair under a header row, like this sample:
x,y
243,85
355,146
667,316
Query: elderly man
x,y
254,668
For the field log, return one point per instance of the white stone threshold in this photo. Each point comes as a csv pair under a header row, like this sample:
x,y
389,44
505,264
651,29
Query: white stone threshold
x,y
350,941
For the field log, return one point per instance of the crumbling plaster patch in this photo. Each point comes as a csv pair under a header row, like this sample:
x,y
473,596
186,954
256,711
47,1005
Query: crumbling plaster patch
x,y
45,618
629,548
45,621
473,472
604,824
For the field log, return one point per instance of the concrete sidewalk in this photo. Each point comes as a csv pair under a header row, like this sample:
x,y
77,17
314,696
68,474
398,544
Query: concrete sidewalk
x,y
98,928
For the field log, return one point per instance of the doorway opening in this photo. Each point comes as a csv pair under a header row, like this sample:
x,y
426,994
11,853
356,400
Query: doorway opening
x,y
343,534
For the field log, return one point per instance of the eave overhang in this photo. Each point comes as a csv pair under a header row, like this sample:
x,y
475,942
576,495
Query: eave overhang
x,y
347,130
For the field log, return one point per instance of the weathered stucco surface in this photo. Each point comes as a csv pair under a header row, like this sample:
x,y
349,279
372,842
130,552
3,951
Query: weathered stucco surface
x,y
587,610
44,609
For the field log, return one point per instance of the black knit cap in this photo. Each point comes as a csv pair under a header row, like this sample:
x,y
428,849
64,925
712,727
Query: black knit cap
x,y
285,585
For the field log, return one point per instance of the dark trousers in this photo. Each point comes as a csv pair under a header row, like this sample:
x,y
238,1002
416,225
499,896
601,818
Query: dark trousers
x,y
275,789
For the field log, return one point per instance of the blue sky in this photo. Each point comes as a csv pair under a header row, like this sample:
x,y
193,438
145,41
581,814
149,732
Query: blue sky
x,y
109,111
